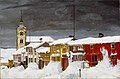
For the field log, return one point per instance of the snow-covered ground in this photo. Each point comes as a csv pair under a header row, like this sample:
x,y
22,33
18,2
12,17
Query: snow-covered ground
x,y
53,70
6,54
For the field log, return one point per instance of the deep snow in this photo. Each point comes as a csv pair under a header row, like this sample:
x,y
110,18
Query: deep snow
x,y
53,70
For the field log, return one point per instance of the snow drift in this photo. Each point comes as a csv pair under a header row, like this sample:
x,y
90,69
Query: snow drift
x,y
53,70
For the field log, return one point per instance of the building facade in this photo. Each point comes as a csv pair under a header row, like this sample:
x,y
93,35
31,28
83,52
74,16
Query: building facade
x,y
21,35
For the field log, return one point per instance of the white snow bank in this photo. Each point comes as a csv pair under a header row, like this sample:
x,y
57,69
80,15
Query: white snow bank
x,y
6,54
72,70
32,66
53,68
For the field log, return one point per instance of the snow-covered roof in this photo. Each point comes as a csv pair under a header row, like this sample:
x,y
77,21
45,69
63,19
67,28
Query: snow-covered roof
x,y
91,40
35,45
6,54
19,51
39,39
61,41
43,49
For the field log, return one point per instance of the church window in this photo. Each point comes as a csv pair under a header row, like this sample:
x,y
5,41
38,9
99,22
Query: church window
x,y
21,41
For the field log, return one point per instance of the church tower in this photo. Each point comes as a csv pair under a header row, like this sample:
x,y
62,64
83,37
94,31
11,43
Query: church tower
x,y
21,34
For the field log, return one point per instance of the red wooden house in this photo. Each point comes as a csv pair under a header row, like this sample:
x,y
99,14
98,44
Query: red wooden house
x,y
92,48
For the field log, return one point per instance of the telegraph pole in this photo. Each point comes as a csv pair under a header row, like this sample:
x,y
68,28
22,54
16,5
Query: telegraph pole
x,y
74,22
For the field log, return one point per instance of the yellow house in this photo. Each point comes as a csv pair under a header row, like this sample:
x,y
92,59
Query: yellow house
x,y
59,49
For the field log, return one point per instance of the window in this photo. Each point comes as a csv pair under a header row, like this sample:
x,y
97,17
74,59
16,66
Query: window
x,y
64,55
64,50
57,58
74,48
29,49
53,48
74,57
21,41
94,58
35,59
21,33
53,58
91,46
19,59
80,48
113,45
30,59
113,57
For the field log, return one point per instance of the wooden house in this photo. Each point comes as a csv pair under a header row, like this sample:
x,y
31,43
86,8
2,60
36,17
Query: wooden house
x,y
76,52
93,48
59,50
44,56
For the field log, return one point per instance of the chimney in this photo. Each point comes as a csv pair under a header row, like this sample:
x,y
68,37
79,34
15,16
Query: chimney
x,y
41,40
101,35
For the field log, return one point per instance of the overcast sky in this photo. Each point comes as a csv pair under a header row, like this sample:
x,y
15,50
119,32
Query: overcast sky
x,y
55,18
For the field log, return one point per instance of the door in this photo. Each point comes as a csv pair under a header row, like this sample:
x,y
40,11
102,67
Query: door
x,y
94,60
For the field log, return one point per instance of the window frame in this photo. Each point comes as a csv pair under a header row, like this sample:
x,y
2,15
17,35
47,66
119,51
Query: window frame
x,y
94,58
113,57
74,48
112,45
21,41
91,46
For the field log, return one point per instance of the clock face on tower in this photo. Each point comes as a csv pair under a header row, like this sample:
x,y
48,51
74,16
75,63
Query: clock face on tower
x,y
21,33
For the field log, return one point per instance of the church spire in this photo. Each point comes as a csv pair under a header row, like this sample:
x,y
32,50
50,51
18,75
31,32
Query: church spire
x,y
21,19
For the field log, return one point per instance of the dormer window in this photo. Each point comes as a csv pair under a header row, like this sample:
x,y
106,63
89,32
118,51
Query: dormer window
x,y
21,33
113,45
